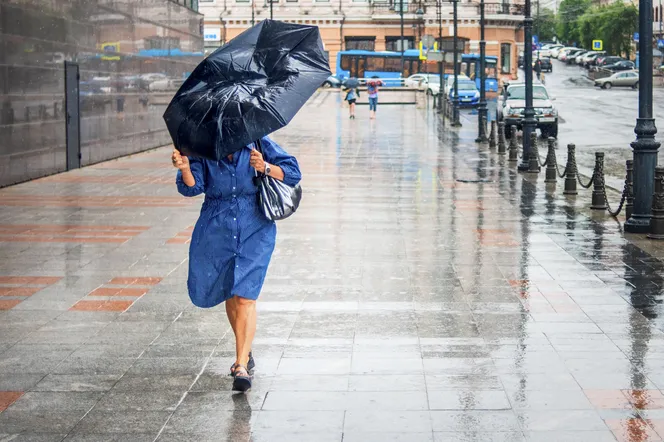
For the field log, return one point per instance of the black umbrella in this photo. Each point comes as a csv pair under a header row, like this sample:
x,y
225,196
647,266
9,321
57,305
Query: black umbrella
x,y
246,89
351,83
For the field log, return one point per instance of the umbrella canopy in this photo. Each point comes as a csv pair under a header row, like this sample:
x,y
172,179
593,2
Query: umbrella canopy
x,y
247,89
351,83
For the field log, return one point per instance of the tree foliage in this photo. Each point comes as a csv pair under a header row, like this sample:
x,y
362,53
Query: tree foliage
x,y
580,23
544,24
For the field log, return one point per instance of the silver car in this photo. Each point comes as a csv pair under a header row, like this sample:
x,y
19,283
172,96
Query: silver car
x,y
619,79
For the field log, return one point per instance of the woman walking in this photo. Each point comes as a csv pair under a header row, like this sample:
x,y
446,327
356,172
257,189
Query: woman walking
x,y
372,91
233,241
352,94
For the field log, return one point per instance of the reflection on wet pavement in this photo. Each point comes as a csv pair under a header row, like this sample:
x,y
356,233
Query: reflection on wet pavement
x,y
405,302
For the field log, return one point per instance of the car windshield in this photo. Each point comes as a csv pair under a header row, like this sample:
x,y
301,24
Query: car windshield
x,y
519,93
467,86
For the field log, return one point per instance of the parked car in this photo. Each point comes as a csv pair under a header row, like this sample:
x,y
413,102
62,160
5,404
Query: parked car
x,y
590,56
332,81
512,105
145,80
605,61
568,54
166,84
520,61
576,58
449,82
421,81
619,79
545,63
623,65
469,95
556,53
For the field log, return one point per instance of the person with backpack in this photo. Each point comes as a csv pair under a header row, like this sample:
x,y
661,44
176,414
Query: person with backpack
x,y
352,94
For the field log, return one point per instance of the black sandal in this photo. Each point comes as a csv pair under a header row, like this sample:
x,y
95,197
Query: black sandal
x,y
241,378
250,365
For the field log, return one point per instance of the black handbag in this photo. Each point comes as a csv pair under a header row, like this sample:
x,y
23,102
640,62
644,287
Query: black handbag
x,y
276,199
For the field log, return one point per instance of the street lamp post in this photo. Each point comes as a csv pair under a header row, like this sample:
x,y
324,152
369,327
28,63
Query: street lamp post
x,y
529,122
403,46
271,10
645,146
441,71
455,98
482,112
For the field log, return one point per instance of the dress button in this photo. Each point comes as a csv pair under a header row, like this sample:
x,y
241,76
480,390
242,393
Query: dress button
x,y
234,219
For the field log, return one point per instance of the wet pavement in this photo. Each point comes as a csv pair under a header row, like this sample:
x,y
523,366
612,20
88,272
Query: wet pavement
x,y
597,120
402,303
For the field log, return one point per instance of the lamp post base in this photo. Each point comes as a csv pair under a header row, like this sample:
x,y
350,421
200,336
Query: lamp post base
x,y
638,224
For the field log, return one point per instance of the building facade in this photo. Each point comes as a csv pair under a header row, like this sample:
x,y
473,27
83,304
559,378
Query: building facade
x,y
89,79
374,24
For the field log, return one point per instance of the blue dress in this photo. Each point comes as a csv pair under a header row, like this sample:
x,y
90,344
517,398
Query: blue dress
x,y
233,241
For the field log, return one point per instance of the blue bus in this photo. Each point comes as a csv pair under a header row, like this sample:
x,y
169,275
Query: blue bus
x,y
387,65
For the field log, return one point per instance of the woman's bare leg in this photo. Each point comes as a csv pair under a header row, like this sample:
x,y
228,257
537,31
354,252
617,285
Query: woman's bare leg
x,y
245,328
231,313
352,109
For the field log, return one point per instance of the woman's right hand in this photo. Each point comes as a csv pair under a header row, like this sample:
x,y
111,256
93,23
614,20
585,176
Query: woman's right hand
x,y
179,161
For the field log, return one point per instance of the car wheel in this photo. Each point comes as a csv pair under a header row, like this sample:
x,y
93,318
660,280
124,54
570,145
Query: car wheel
x,y
636,85
607,86
551,131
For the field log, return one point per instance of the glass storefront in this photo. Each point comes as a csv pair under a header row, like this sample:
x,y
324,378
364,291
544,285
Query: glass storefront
x,y
131,56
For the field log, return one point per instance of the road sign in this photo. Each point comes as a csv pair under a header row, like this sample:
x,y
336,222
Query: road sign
x,y
435,56
636,37
535,39
660,43
428,40
424,50
598,45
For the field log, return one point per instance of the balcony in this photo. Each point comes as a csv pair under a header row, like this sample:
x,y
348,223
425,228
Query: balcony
x,y
394,7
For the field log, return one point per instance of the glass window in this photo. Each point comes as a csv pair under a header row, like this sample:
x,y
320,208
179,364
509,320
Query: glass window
x,y
345,62
360,43
392,43
505,58
519,93
392,64
375,64
490,70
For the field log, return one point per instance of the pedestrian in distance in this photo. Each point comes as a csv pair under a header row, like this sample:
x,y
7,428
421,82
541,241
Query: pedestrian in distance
x,y
352,94
372,92
233,240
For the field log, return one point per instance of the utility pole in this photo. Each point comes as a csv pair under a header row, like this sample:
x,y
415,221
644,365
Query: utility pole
x,y
271,9
482,113
645,146
403,46
529,122
455,98
537,30
253,18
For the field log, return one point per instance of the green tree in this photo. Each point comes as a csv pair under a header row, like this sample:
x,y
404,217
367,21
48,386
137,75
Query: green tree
x,y
567,24
544,24
619,21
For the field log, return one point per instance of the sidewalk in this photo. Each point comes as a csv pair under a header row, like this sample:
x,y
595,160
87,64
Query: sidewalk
x,y
401,303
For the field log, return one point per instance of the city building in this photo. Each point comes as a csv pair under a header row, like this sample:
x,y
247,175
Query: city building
x,y
83,81
375,25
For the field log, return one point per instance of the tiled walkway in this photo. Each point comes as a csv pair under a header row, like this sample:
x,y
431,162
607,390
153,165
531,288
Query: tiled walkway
x,y
401,304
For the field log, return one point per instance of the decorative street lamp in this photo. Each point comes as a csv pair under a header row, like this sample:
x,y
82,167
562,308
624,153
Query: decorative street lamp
x,y
403,46
271,11
645,146
455,100
529,122
482,112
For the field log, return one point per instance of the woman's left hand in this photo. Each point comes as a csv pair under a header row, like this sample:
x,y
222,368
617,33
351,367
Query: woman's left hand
x,y
256,161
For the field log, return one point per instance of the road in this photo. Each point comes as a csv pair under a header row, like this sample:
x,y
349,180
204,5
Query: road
x,y
596,120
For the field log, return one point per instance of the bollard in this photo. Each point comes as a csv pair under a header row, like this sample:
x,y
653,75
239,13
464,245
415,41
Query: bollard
x,y
657,219
570,171
551,170
598,200
501,138
533,161
492,135
514,148
629,189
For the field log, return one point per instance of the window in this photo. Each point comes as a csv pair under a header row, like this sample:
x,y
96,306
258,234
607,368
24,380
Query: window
x,y
392,65
361,43
345,62
392,43
490,70
505,58
375,64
